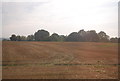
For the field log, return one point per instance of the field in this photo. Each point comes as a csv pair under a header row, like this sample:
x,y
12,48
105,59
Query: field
x,y
59,60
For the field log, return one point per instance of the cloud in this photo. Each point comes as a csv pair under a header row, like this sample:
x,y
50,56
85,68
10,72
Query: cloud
x,y
17,16
59,16
25,0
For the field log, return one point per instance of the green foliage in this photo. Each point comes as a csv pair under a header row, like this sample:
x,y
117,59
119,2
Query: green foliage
x,y
13,37
92,36
54,37
62,38
82,36
114,40
103,37
23,38
30,38
41,35
18,38
74,36
118,40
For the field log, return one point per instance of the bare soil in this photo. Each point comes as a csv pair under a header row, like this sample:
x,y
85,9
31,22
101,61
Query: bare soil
x,y
59,60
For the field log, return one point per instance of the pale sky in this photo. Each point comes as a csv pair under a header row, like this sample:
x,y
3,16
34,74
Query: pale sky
x,y
22,17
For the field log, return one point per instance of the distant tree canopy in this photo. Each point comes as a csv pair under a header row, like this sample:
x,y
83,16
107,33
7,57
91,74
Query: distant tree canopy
x,y
89,36
54,37
119,40
92,36
13,37
115,40
103,37
18,38
30,38
80,36
74,36
41,35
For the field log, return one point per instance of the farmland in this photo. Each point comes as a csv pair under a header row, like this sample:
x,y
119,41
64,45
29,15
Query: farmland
x,y
59,60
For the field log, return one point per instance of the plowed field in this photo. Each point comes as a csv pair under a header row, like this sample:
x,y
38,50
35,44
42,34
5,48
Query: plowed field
x,y
59,60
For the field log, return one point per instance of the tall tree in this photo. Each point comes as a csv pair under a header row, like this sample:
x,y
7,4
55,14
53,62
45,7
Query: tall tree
x,y
83,34
92,36
114,40
62,37
74,36
118,40
18,38
103,37
23,38
41,35
54,37
13,37
30,37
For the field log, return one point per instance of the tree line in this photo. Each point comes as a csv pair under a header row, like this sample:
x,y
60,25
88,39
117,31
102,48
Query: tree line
x,y
80,36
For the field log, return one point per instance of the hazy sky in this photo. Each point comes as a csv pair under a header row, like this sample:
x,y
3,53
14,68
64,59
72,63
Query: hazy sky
x,y
59,16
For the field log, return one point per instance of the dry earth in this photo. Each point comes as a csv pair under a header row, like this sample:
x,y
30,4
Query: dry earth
x,y
59,60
